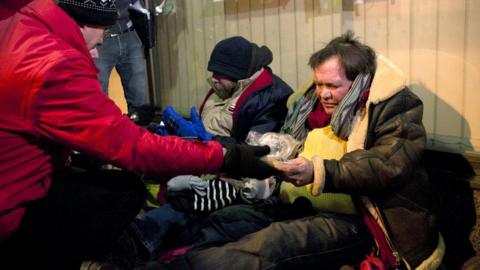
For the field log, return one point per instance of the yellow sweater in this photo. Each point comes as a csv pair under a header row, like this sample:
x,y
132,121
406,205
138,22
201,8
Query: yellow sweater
x,y
324,143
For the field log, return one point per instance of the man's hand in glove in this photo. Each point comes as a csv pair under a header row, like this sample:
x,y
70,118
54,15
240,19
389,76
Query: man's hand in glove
x,y
184,128
244,160
178,124
202,133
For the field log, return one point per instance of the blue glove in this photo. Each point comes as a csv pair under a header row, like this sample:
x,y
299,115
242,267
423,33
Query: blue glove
x,y
161,129
202,133
178,124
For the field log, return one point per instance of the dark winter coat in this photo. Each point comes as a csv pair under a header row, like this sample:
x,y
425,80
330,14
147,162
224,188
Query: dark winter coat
x,y
383,161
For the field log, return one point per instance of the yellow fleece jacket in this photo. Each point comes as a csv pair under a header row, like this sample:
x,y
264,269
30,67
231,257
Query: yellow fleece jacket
x,y
321,142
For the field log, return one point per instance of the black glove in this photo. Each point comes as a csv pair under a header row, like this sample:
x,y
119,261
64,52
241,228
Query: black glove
x,y
243,160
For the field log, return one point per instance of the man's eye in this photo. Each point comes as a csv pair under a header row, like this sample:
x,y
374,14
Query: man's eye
x,y
332,86
329,86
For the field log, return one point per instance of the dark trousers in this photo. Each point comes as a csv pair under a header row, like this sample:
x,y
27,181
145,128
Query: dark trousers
x,y
240,237
262,237
81,218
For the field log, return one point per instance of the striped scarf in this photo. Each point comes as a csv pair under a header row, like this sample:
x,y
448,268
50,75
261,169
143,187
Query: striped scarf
x,y
297,115
342,118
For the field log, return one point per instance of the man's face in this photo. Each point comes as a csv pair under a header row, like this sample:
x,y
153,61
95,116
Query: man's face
x,y
93,35
222,85
332,83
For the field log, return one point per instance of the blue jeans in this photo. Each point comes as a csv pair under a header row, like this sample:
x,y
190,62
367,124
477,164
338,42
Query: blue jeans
x,y
126,54
154,226
325,240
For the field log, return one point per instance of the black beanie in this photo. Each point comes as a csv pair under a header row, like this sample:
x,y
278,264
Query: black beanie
x,y
231,57
95,12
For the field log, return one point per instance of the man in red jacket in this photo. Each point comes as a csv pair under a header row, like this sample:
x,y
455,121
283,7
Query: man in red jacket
x,y
51,103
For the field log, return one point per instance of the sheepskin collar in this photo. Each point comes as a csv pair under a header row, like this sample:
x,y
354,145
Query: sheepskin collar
x,y
388,81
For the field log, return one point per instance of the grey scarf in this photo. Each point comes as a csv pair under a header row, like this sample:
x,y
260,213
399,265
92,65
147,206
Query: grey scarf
x,y
297,115
343,116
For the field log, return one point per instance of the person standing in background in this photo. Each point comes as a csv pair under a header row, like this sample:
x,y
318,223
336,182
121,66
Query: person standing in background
x,y
123,49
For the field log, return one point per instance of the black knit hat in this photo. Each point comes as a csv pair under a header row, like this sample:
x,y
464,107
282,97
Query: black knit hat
x,y
231,57
95,12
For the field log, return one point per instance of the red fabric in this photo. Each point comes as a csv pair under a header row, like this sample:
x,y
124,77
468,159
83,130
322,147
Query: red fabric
x,y
386,254
202,105
174,253
372,263
318,118
362,101
51,101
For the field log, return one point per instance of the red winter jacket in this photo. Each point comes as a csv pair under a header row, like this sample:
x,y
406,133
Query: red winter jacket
x,y
51,102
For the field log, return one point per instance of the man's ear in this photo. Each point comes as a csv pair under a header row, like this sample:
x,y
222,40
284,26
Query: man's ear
x,y
94,53
82,29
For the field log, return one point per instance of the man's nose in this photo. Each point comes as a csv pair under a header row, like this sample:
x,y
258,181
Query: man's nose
x,y
325,93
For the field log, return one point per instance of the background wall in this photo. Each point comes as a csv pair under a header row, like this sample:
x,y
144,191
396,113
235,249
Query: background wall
x,y
115,91
435,42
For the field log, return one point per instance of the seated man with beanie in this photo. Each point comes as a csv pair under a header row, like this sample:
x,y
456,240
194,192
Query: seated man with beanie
x,y
51,215
245,94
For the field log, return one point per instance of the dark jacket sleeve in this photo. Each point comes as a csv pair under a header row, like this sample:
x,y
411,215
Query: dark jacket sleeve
x,y
393,148
225,139
264,111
